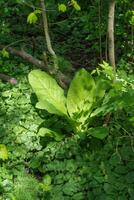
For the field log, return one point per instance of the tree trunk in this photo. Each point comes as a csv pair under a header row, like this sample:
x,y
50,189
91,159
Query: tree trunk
x,y
111,48
100,35
47,36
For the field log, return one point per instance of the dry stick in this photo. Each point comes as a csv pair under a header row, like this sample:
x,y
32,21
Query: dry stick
x,y
47,36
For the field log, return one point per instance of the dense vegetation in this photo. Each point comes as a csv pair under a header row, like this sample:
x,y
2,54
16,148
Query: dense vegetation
x,y
67,100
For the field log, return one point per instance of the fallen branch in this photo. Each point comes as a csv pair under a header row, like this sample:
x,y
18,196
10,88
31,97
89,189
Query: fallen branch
x,y
28,57
8,79
61,78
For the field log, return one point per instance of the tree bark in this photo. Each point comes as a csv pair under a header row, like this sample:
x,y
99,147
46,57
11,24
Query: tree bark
x,y
100,35
111,48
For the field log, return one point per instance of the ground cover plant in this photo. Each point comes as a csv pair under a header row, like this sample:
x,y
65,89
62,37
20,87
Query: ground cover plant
x,y
67,100
87,98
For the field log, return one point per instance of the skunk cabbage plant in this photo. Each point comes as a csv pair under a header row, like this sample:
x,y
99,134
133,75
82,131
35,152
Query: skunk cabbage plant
x,y
78,107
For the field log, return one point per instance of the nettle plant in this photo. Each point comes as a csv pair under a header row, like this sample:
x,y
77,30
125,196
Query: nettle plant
x,y
89,96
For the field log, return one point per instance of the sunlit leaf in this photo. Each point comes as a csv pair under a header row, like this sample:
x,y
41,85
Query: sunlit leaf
x,y
62,7
3,152
5,53
81,96
76,5
50,94
32,18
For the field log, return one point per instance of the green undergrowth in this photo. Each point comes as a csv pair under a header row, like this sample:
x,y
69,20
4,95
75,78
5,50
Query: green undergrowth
x,y
88,169
72,169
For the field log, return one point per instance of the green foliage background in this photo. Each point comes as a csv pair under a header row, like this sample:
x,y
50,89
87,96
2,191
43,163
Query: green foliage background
x,y
79,168
75,168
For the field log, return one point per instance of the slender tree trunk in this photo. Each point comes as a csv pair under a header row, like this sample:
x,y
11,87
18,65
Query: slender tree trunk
x,y
47,36
132,29
106,49
111,48
100,39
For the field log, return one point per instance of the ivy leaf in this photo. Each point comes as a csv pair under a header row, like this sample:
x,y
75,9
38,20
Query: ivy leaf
x,y
98,132
46,184
47,180
32,18
62,7
3,152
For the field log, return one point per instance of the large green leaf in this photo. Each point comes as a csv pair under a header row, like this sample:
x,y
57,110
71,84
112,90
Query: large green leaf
x,y
98,132
101,86
81,96
50,94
